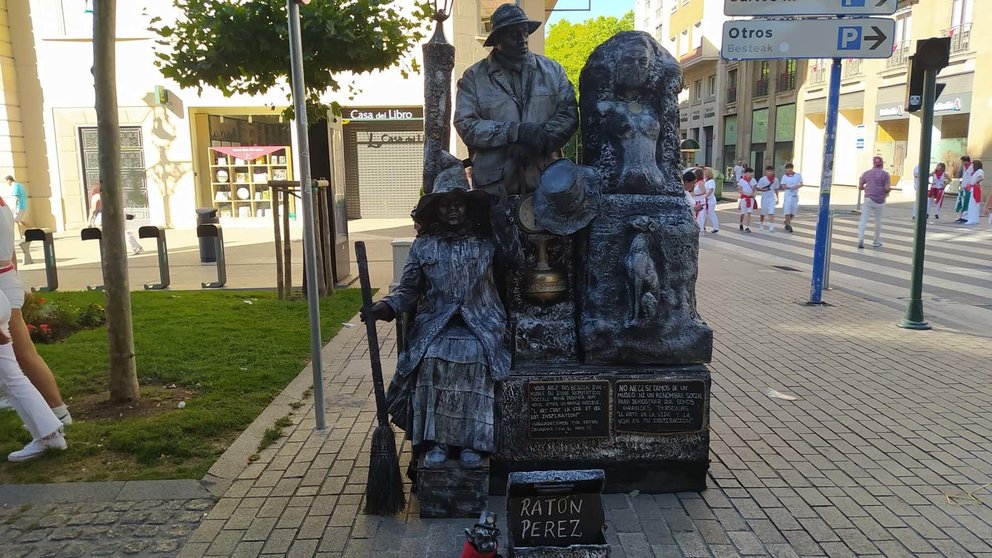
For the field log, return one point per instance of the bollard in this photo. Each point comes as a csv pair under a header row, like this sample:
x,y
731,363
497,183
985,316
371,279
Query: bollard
x,y
51,267
215,232
94,233
158,233
830,245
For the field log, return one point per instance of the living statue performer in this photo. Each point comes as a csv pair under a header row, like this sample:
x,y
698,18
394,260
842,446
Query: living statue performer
x,y
442,395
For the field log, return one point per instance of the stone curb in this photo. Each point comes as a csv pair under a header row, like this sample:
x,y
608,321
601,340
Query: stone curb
x,y
109,491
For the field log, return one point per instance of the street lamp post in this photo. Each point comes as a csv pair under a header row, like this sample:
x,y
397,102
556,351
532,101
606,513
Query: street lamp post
x,y
439,61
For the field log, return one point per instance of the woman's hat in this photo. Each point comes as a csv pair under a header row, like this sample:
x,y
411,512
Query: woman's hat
x,y
507,15
567,198
451,181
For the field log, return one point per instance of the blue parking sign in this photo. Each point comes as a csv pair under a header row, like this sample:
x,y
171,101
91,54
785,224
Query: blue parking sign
x,y
849,38
852,3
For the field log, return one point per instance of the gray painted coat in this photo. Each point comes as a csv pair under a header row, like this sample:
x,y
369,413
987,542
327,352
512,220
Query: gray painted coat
x,y
487,114
444,276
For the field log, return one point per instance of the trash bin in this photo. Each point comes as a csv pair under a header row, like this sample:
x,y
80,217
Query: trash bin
x,y
208,248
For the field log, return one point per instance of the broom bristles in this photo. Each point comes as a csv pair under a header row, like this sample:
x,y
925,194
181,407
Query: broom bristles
x,y
384,489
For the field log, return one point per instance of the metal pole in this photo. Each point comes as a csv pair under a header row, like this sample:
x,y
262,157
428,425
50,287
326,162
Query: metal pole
x,y
830,249
827,177
309,246
914,310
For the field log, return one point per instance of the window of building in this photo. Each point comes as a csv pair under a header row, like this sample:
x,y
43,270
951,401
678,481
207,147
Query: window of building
x,y
962,12
684,42
732,86
697,35
697,90
787,79
762,73
73,19
133,179
711,86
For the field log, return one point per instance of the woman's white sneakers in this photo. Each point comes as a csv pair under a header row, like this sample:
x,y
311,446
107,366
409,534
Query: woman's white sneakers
x,y
38,447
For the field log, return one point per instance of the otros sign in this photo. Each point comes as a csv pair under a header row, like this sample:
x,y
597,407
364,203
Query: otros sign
x,y
775,8
762,39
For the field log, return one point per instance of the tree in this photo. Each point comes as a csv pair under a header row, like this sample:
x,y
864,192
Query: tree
x,y
120,333
243,47
570,44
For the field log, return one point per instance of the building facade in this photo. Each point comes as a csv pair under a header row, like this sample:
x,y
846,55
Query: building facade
x,y
183,149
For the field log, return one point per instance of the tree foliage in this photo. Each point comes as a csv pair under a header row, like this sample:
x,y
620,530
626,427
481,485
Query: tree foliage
x,y
242,46
570,44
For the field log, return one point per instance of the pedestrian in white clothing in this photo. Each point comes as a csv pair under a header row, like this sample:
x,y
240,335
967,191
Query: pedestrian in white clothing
x,y
708,199
768,187
745,187
938,182
38,417
791,182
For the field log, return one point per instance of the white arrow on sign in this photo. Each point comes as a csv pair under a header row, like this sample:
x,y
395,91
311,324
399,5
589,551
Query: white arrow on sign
x,y
775,8
762,39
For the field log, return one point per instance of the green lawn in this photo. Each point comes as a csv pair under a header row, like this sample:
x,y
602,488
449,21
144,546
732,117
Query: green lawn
x,y
225,357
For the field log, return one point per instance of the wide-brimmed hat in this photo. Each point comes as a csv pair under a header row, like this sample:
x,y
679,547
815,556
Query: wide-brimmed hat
x,y
567,198
451,181
507,15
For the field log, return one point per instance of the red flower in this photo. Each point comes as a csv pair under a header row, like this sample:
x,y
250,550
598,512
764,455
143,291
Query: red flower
x,y
31,328
44,328
41,300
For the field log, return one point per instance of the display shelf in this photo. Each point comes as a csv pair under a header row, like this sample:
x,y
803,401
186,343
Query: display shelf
x,y
239,187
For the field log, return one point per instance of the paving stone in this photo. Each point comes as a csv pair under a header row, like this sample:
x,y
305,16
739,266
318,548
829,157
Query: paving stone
x,y
691,544
747,543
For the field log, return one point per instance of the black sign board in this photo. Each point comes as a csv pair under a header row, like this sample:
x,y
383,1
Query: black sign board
x,y
579,409
555,508
659,407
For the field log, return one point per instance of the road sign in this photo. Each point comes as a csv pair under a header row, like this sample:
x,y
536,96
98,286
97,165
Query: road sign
x,y
763,39
775,8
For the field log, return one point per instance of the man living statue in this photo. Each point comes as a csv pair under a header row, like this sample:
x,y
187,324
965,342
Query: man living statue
x,y
514,109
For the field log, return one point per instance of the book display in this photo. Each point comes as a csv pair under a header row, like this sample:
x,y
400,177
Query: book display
x,y
239,178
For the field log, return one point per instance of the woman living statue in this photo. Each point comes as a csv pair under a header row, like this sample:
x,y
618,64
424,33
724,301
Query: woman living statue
x,y
442,395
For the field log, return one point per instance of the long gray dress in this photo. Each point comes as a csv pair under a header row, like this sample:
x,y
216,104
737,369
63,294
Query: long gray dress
x,y
443,391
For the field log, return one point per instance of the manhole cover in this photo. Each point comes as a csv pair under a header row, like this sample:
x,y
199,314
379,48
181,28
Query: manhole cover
x,y
785,268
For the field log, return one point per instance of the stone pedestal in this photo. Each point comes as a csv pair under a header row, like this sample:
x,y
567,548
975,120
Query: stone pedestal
x,y
647,427
452,491
639,295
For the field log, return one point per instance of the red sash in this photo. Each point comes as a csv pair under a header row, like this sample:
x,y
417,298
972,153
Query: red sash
x,y
748,201
976,193
6,268
937,194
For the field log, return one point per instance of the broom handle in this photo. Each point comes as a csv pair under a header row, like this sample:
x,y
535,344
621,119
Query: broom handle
x,y
363,277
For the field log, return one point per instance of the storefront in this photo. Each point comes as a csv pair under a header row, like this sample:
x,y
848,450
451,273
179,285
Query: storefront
x,y
730,143
785,135
384,159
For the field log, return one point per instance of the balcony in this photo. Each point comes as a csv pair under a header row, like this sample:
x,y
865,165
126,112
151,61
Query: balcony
x,y
900,55
787,81
761,87
732,95
960,37
853,68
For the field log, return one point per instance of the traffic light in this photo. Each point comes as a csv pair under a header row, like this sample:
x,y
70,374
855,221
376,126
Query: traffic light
x,y
931,54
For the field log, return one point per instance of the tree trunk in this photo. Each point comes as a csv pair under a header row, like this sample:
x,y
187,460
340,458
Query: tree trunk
x,y
123,374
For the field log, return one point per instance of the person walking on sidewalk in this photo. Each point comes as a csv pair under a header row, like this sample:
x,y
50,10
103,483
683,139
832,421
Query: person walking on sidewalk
x,y
964,192
971,216
875,183
699,195
935,196
745,187
769,186
709,207
16,198
20,393
688,184
791,181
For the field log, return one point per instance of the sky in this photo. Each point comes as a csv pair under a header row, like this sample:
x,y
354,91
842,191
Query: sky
x,y
614,8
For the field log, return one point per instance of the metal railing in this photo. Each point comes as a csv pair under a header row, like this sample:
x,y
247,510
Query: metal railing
x,y
960,37
853,68
761,87
900,54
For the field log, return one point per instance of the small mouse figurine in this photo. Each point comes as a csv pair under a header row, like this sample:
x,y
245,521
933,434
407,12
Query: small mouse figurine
x,y
482,539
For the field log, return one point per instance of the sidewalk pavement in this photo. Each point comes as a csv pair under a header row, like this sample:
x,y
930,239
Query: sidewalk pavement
x,y
889,423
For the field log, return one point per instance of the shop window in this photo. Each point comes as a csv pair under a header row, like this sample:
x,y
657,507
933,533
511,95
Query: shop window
x,y
133,180
785,122
759,126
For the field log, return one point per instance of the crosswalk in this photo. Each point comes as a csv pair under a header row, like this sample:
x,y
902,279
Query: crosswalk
x,y
957,271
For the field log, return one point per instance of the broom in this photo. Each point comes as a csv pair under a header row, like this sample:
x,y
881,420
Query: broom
x,y
384,487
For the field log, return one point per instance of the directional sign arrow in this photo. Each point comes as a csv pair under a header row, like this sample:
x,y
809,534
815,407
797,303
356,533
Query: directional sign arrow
x,y
878,37
881,3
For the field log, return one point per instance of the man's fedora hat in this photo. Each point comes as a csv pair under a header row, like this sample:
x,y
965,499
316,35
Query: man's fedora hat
x,y
507,15
567,198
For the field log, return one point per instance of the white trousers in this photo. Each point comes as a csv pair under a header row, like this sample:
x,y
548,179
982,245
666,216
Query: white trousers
x,y
708,210
132,239
22,395
868,209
